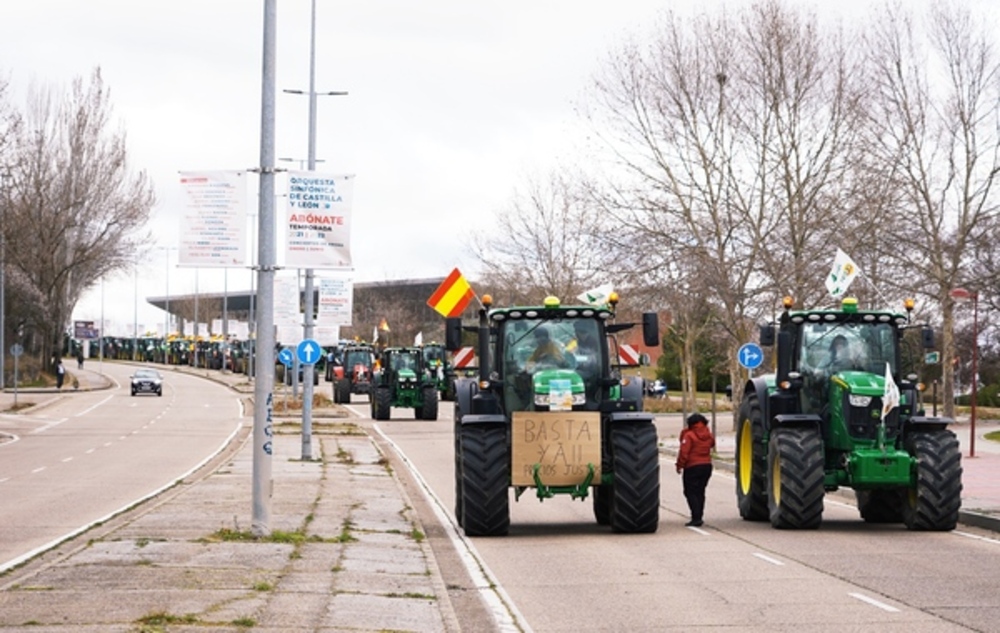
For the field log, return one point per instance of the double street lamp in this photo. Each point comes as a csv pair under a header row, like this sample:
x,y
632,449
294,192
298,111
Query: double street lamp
x,y
963,294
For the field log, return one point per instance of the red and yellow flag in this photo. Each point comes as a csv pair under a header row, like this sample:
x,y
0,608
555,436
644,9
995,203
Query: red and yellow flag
x,y
452,296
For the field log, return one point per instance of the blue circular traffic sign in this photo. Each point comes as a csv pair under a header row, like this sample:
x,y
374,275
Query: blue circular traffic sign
x,y
286,357
309,351
750,355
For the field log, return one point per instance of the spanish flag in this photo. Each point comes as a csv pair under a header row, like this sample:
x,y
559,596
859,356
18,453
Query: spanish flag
x,y
452,296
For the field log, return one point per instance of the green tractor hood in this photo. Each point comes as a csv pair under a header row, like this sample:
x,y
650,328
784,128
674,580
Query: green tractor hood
x,y
558,389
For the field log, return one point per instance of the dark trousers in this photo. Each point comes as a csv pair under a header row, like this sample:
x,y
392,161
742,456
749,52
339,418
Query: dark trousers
x,y
695,481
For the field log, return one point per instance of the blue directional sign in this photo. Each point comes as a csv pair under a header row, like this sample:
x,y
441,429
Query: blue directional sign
x,y
309,351
750,355
286,356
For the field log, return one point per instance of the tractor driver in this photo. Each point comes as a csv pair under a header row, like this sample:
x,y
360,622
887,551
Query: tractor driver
x,y
546,352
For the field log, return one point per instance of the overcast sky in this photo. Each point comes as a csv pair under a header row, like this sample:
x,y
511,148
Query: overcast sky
x,y
452,104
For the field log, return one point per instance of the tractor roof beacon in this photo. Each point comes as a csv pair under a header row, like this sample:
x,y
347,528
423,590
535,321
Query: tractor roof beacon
x,y
819,423
550,410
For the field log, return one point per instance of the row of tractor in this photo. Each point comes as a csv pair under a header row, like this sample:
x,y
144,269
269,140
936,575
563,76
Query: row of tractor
x,y
551,410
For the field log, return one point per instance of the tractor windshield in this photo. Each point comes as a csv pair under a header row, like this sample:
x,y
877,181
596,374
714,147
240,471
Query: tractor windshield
x,y
358,357
859,346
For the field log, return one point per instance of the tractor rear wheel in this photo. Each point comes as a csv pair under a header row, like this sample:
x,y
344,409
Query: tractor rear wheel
x,y
795,471
881,506
429,408
934,502
485,479
602,504
381,403
342,390
751,460
635,493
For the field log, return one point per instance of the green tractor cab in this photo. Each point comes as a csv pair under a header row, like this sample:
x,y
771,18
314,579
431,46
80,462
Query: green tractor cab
x,y
839,412
551,411
403,382
439,370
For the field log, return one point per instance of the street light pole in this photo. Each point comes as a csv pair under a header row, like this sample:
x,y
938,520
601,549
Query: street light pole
x,y
307,372
962,293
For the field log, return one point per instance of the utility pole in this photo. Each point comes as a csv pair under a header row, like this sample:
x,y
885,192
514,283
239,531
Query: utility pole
x,y
307,371
263,429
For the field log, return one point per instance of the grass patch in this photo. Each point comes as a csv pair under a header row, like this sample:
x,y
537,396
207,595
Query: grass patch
x,y
345,535
263,585
277,536
417,535
344,457
412,594
162,618
245,623
993,436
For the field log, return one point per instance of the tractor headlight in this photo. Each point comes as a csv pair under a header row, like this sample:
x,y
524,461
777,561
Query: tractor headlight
x,y
859,401
545,400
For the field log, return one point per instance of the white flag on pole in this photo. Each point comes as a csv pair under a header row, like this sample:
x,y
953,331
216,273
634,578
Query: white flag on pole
x,y
597,296
890,398
418,340
375,335
843,273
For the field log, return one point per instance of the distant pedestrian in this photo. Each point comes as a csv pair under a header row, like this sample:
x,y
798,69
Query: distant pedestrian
x,y
694,460
60,374
79,358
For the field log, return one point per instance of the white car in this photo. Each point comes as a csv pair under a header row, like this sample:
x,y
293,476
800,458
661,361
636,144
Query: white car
x,y
147,381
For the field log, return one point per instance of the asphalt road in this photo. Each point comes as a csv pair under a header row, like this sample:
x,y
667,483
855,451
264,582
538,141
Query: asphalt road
x,y
559,571
85,458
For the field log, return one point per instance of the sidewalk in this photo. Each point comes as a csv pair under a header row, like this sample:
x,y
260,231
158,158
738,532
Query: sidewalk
x,y
346,551
980,474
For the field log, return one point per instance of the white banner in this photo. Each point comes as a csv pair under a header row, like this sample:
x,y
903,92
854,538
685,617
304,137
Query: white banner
x,y
318,220
336,302
214,220
286,302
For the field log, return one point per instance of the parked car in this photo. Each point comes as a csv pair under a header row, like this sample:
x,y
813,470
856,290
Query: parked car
x,y
147,380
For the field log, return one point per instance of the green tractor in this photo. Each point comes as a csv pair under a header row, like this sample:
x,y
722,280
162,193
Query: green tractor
x,y
403,382
439,370
827,420
550,410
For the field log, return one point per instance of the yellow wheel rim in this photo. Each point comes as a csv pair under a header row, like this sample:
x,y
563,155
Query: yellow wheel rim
x,y
746,456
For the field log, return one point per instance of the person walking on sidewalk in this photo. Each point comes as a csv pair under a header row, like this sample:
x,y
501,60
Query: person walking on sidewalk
x,y
694,460
60,374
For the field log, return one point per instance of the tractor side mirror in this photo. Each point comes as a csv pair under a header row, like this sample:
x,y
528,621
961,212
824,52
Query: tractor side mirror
x,y
453,333
767,335
927,337
651,330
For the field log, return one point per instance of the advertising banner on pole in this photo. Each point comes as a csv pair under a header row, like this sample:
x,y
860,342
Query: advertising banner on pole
x,y
214,221
287,301
318,220
336,301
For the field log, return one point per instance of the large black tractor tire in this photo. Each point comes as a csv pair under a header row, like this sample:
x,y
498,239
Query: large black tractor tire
x,y
342,391
602,504
881,506
429,407
795,478
751,461
449,393
934,502
458,466
635,493
381,403
485,480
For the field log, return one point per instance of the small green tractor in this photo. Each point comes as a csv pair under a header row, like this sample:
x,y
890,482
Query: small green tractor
x,y
403,382
354,375
550,410
827,420
439,370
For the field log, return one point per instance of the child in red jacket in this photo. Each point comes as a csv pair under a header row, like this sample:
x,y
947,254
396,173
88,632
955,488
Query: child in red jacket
x,y
695,461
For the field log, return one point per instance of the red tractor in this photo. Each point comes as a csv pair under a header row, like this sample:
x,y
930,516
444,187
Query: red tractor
x,y
354,373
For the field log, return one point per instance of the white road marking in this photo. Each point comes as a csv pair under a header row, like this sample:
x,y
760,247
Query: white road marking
x,y
976,537
773,561
697,529
89,409
90,450
4,479
67,459
38,470
873,602
48,426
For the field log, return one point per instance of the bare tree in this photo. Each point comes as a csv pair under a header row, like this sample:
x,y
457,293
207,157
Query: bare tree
x,y
936,116
77,211
541,245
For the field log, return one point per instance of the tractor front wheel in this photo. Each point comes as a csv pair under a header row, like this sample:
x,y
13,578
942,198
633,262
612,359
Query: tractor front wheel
x,y
795,471
459,490
933,503
751,461
381,403
635,493
429,406
485,479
